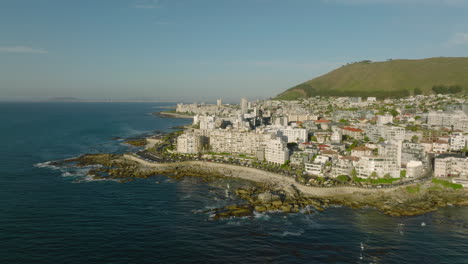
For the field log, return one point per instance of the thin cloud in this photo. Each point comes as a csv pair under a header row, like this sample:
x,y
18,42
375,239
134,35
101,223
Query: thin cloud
x,y
459,39
162,23
425,2
22,49
148,5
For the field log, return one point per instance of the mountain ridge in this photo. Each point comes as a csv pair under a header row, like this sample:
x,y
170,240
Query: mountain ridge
x,y
385,79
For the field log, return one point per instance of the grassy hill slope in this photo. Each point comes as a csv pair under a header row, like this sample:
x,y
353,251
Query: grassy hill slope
x,y
395,78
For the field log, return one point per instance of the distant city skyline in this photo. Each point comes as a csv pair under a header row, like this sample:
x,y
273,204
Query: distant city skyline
x,y
181,50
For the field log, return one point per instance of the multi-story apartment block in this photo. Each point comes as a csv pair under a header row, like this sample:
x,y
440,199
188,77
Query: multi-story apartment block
x,y
301,157
391,149
344,165
314,168
276,151
448,165
393,133
414,169
361,151
458,141
238,142
413,151
190,143
386,132
353,132
384,119
298,135
446,119
205,121
380,165
440,146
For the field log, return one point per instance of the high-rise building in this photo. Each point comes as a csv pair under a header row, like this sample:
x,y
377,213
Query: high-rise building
x,y
244,105
276,151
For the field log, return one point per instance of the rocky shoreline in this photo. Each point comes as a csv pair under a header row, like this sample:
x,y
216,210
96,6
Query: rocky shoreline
x,y
172,115
267,196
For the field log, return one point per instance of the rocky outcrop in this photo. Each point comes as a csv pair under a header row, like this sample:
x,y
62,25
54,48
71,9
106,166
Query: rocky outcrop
x,y
267,196
140,142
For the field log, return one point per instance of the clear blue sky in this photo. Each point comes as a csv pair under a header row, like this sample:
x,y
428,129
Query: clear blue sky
x,y
199,50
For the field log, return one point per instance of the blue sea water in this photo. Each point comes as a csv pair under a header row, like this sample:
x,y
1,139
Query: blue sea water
x,y
48,217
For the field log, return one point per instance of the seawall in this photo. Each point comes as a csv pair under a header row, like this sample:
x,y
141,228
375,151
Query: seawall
x,y
260,176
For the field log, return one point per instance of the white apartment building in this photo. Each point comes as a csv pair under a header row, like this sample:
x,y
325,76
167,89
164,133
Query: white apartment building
x,y
458,141
440,146
384,119
336,136
386,132
205,121
361,151
448,165
276,151
298,135
344,165
244,105
413,151
353,132
393,133
314,168
238,142
301,117
446,119
190,143
414,168
391,149
461,124
380,165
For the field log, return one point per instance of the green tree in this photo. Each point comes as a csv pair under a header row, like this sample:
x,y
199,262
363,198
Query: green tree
x,y
402,173
415,139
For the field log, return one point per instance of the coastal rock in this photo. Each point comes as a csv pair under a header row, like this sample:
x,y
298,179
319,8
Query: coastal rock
x,y
268,197
286,208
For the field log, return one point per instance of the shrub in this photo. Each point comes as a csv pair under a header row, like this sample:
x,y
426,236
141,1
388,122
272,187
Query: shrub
x,y
447,184
343,178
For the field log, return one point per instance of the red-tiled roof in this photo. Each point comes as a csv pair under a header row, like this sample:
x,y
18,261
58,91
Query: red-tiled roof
x,y
354,158
362,148
322,121
353,129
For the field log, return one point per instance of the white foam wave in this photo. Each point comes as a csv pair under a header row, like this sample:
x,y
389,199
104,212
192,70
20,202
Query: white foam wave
x,y
66,174
92,179
288,233
306,209
261,216
47,164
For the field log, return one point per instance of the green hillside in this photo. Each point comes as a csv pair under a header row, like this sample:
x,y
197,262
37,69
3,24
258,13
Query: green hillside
x,y
393,78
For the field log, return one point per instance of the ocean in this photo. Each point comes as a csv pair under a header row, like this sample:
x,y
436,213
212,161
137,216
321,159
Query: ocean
x,y
47,216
